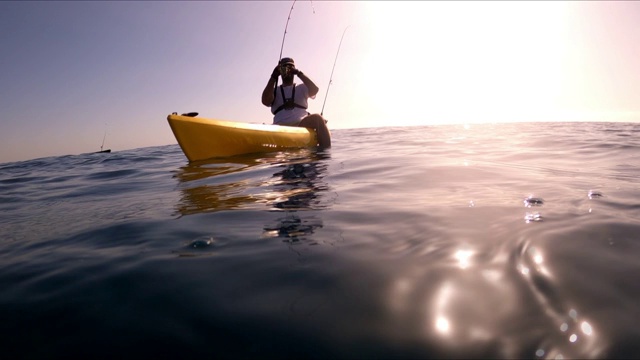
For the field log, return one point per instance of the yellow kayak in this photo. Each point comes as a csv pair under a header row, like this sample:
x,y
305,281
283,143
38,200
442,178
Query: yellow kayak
x,y
202,138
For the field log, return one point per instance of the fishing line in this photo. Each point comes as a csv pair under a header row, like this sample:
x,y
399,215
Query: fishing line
x,y
334,67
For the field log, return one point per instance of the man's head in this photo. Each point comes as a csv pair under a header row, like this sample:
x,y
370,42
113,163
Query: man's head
x,y
287,61
286,64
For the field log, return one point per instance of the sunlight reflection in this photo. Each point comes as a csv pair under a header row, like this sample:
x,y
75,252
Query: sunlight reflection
x,y
572,327
578,338
442,300
532,217
442,325
463,257
573,338
538,259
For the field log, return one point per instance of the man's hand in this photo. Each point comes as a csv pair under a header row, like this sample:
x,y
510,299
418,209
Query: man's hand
x,y
275,73
289,70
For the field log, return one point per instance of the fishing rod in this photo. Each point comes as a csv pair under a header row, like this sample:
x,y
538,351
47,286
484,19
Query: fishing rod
x,y
282,46
334,67
285,30
284,35
287,25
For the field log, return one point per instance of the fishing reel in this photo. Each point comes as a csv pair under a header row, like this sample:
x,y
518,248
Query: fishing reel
x,y
287,69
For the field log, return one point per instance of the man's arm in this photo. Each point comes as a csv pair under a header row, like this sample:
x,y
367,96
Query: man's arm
x,y
267,93
313,88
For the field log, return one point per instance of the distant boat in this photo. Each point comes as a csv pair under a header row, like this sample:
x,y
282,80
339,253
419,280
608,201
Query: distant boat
x,y
101,146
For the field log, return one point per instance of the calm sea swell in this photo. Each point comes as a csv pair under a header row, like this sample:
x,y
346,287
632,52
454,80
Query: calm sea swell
x,y
507,241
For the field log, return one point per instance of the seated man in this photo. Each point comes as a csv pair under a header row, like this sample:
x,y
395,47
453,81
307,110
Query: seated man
x,y
288,101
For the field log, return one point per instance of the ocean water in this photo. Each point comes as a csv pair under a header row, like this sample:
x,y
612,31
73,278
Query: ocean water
x,y
494,240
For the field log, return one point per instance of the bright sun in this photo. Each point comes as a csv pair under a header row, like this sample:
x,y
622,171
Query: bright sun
x,y
440,62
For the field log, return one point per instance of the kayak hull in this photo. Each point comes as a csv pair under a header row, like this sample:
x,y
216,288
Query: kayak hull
x,y
202,138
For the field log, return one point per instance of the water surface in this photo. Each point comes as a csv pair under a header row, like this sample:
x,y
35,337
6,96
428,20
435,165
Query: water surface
x,y
497,240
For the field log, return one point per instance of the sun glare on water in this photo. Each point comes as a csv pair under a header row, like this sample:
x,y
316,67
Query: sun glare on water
x,y
441,62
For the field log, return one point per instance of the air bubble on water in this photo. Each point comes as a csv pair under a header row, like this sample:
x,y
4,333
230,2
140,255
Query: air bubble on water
x,y
533,201
594,194
201,243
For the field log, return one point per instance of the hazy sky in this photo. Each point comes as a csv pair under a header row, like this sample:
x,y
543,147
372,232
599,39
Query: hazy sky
x,y
69,71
